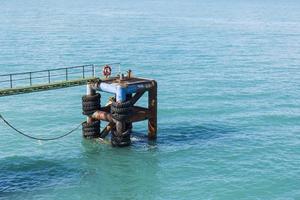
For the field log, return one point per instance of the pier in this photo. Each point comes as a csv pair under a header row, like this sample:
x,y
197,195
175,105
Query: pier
x,y
119,112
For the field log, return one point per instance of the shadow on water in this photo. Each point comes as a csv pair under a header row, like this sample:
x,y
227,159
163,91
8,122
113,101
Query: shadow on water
x,y
102,164
136,166
19,174
118,173
186,134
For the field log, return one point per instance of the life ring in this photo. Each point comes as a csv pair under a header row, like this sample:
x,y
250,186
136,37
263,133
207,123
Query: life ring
x,y
106,70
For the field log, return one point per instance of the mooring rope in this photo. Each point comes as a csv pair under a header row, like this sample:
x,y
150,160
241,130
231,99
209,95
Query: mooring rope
x,y
36,138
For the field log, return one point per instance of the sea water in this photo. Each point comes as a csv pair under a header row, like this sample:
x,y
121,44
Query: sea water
x,y
228,99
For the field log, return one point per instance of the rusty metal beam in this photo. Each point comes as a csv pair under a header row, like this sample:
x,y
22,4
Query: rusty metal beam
x,y
139,114
107,129
137,96
102,115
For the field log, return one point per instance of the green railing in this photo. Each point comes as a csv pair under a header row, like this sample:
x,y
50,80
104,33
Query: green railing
x,y
50,76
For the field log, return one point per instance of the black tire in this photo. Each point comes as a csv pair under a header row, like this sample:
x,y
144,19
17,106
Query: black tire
x,y
120,110
91,105
125,104
95,97
88,103
89,113
124,134
121,117
93,124
89,108
91,130
91,134
120,144
120,141
92,108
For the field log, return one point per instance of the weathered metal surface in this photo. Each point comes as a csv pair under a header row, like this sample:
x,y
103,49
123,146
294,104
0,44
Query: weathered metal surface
x,y
121,88
152,103
138,114
102,115
137,96
107,129
127,81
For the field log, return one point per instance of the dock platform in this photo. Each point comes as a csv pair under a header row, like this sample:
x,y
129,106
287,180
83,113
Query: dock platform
x,y
120,110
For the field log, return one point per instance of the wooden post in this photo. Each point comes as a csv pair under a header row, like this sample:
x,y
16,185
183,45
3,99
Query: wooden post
x,y
152,106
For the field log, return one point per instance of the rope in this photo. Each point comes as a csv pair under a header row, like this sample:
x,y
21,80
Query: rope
x,y
36,138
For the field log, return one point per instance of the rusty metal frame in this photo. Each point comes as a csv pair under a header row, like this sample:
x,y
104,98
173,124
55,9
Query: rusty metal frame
x,y
139,113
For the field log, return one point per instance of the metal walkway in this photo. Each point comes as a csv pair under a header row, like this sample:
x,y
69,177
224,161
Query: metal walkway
x,y
19,83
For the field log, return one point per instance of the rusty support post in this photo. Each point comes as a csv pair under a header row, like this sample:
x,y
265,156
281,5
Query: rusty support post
x,y
139,114
152,106
137,96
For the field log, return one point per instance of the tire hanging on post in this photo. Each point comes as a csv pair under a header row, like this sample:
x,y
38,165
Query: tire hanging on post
x,y
90,104
121,112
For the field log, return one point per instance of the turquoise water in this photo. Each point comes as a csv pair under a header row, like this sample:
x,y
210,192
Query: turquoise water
x,y
228,76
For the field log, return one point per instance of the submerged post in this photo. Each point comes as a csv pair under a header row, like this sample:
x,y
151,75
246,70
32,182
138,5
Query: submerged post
x,y
90,104
152,106
121,112
89,92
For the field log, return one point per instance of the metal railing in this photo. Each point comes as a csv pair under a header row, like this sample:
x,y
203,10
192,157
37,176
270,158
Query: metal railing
x,y
47,76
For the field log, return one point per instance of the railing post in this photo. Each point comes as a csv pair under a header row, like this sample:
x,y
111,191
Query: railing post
x,y
93,68
30,78
66,74
10,79
83,70
49,76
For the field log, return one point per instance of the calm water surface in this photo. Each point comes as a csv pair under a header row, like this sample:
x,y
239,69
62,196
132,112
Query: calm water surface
x,y
229,108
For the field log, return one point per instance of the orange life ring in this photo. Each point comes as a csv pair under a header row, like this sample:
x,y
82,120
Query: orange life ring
x,y
106,70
